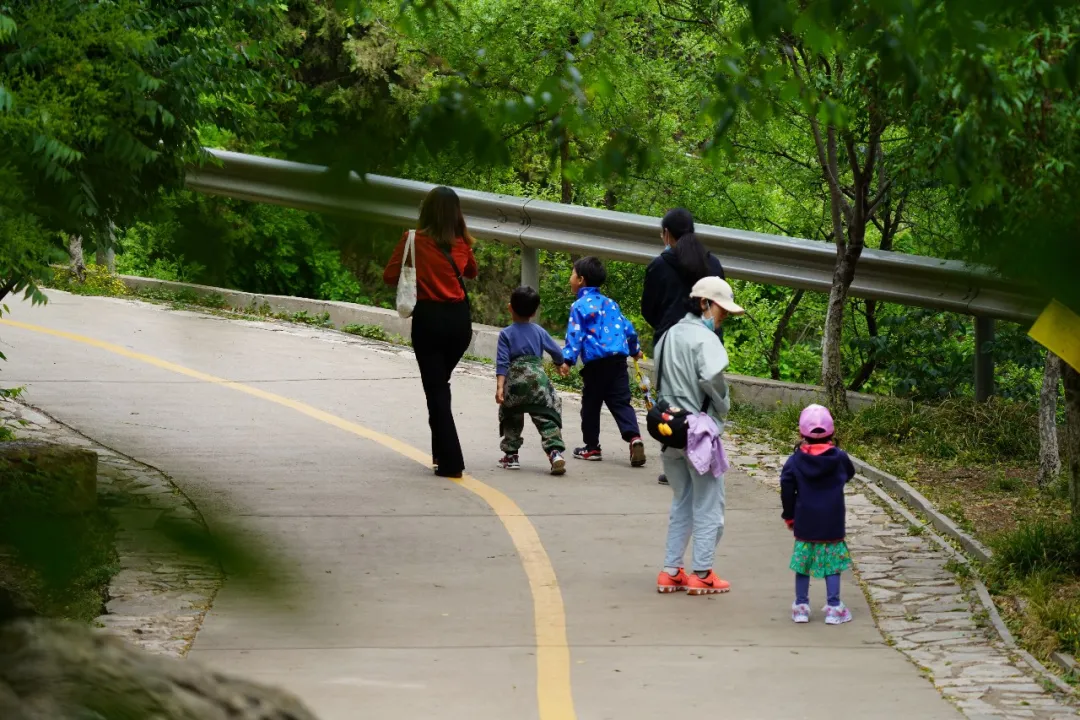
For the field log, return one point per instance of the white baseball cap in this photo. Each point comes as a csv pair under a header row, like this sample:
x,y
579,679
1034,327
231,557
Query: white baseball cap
x,y
718,291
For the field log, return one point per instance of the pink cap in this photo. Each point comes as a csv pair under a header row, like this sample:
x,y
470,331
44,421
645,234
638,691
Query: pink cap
x,y
816,422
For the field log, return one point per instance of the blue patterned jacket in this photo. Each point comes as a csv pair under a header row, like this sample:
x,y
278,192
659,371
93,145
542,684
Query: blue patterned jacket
x,y
598,329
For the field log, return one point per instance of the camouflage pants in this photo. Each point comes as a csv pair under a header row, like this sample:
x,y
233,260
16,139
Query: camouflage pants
x,y
529,390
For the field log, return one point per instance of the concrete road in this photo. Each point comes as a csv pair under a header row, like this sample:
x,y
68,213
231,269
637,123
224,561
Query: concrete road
x,y
418,597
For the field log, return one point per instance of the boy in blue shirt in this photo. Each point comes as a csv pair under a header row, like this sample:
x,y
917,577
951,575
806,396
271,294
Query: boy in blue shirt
x,y
524,387
601,336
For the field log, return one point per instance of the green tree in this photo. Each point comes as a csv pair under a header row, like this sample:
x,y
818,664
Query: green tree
x,y
986,92
100,103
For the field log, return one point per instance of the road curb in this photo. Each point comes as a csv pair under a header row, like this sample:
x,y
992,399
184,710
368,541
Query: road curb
x,y
874,479
919,501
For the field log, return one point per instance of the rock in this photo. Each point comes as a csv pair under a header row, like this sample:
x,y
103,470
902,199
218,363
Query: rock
x,y
62,478
61,671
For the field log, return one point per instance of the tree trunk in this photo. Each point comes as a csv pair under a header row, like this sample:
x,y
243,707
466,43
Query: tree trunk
x,y
870,365
564,163
78,263
1071,378
781,330
106,257
832,361
1049,453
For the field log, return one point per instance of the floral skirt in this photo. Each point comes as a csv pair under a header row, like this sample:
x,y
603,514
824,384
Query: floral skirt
x,y
818,559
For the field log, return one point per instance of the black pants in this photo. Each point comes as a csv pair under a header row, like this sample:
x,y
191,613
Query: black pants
x,y
606,381
441,333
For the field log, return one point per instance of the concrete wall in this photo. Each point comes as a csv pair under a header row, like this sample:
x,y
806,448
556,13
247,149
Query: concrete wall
x,y
759,392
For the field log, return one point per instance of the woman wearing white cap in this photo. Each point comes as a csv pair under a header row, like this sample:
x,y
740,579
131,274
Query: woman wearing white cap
x,y
691,359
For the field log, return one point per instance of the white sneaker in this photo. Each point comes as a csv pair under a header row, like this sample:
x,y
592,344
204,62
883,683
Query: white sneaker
x,y
558,465
800,613
837,615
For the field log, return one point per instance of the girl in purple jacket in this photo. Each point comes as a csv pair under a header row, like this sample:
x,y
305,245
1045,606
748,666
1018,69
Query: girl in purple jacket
x,y
812,491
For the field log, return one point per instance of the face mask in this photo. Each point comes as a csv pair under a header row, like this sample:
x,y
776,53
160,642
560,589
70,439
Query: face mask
x,y
709,323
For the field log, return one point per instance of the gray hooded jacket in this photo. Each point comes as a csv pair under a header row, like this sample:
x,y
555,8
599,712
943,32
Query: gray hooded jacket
x,y
694,360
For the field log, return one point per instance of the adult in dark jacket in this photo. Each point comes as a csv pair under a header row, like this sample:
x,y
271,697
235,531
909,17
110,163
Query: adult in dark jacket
x,y
672,273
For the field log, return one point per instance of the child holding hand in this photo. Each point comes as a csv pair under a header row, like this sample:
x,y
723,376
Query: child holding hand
x,y
603,338
812,492
523,386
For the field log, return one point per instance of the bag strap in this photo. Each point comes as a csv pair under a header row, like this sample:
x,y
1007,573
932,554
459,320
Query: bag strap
x,y
660,365
410,250
460,279
409,253
660,373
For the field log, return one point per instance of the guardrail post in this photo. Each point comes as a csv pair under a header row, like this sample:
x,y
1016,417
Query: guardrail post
x,y
530,267
984,358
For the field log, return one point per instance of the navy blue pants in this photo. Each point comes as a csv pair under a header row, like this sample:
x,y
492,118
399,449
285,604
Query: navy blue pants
x,y
606,382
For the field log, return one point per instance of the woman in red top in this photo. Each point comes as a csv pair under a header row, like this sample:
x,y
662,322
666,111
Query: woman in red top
x,y
441,323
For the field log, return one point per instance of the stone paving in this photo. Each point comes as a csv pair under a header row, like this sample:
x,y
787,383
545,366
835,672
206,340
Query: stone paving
x,y
924,609
159,597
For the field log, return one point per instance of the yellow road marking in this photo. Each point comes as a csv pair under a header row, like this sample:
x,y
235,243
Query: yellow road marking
x,y
553,691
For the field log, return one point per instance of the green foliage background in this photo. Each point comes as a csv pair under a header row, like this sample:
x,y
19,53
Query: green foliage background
x,y
623,104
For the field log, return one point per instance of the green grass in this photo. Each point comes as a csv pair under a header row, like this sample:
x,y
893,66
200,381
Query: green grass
x,y
305,318
477,359
1039,547
371,332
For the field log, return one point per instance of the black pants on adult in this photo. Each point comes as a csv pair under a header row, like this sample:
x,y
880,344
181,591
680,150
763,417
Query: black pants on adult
x,y
441,333
606,381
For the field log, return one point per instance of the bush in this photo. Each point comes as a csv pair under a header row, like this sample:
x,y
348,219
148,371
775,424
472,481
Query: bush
x,y
1038,547
97,281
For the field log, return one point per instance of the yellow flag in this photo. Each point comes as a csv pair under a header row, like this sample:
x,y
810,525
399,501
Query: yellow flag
x,y
1058,330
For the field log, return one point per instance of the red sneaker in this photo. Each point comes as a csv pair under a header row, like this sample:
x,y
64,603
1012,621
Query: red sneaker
x,y
666,583
708,585
588,453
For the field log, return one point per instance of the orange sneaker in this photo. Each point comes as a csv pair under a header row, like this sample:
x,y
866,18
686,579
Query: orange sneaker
x,y
707,585
666,583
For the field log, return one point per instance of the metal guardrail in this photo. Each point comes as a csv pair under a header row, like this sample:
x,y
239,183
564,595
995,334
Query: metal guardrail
x,y
536,224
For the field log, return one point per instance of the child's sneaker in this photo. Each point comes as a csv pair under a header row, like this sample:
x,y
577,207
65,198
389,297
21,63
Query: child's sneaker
x,y
707,585
588,453
668,583
637,452
837,615
800,613
558,465
510,462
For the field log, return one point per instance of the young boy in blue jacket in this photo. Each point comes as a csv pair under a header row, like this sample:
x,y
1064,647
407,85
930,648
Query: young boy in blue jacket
x,y
601,336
